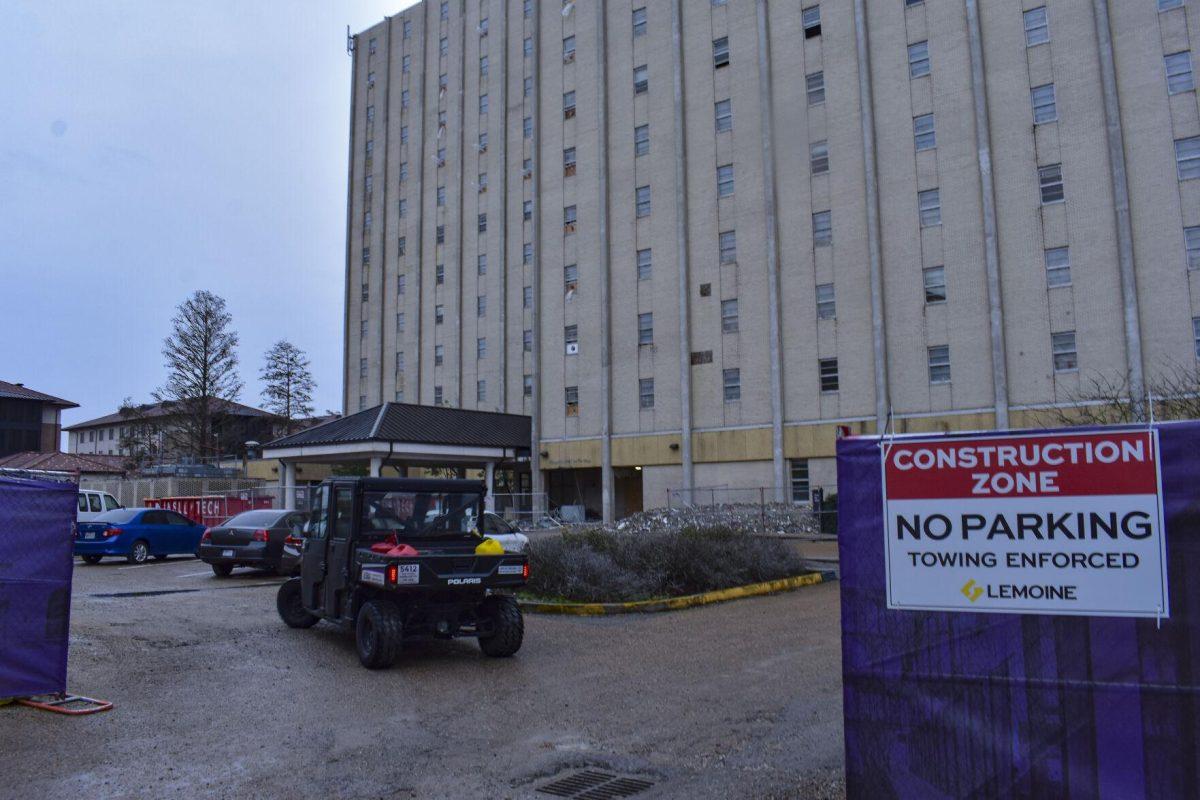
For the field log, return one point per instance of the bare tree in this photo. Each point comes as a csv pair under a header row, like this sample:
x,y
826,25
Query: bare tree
x,y
289,385
202,379
140,435
1173,393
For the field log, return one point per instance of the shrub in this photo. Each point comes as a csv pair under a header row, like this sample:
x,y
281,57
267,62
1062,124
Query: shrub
x,y
600,565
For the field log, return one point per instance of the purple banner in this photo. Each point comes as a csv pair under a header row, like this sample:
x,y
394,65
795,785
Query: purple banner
x,y
36,558
955,704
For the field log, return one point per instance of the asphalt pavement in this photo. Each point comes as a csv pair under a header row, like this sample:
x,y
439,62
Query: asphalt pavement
x,y
215,697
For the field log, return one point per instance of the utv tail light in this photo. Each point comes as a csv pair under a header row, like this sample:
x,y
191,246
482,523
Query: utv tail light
x,y
392,574
207,537
260,535
525,571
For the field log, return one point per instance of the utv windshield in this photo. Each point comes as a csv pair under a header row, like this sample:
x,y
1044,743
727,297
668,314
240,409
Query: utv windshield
x,y
419,515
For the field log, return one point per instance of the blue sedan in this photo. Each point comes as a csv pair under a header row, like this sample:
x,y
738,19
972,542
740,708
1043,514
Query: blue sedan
x,y
136,534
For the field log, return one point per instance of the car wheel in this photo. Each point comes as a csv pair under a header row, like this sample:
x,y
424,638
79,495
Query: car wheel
x,y
91,559
291,607
140,553
222,570
378,634
506,623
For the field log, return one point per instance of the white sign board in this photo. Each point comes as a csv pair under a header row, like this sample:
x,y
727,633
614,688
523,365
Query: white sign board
x,y
1055,523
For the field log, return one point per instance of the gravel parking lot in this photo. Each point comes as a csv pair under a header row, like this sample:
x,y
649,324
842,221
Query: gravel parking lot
x,y
216,697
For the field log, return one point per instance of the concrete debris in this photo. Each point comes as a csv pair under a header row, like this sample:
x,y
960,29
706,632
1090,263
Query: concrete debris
x,y
777,518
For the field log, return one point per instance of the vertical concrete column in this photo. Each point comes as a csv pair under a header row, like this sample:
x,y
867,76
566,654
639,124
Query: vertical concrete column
x,y
347,366
385,214
489,479
419,277
1120,187
874,248
502,228
376,466
535,415
287,482
460,180
606,467
987,190
681,251
767,124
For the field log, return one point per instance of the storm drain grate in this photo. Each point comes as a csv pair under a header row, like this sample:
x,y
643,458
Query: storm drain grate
x,y
592,784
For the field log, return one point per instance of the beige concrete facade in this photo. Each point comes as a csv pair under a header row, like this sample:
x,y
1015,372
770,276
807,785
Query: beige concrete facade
x,y
417,174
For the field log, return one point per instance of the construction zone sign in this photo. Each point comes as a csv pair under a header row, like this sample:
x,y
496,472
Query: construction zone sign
x,y
1055,523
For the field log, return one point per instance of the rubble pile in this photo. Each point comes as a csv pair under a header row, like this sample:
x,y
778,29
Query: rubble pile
x,y
747,518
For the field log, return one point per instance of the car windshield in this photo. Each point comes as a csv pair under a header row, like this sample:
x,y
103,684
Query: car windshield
x,y
263,518
120,517
418,515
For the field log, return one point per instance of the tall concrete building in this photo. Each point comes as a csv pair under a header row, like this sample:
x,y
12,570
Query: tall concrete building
x,y
695,240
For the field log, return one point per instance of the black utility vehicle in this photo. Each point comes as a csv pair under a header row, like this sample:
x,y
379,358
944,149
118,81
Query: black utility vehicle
x,y
400,559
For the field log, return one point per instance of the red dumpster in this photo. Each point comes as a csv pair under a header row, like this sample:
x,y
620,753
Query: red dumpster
x,y
211,510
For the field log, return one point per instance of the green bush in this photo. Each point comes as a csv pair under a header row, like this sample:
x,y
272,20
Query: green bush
x,y
598,565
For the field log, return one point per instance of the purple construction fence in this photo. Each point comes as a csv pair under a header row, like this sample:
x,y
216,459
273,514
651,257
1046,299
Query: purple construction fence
x,y
955,705
35,585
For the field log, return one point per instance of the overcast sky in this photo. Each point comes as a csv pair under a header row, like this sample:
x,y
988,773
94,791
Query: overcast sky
x,y
149,148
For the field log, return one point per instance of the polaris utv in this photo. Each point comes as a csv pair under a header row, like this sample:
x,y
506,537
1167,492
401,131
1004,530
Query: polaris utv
x,y
400,559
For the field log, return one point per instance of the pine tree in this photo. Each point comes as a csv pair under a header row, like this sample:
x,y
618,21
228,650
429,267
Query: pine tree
x,y
288,384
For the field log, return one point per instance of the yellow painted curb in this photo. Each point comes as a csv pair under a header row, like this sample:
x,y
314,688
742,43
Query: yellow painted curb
x,y
674,603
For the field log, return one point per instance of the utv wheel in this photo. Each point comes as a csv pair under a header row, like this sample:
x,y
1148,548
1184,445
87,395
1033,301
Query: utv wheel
x,y
91,559
140,553
378,634
291,609
508,626
222,570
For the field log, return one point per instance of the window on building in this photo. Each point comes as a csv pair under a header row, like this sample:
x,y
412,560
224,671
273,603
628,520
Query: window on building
x,y
810,18
439,315
731,383
929,205
527,127
481,347
527,297
918,59
1164,5
1179,72
1063,347
1050,179
441,156
569,49
526,253
800,484
643,201
483,67
571,398
370,113
400,322
571,336
527,341
570,277
644,266
826,301
923,132
483,142
482,222
724,115
818,157
407,28
366,256
401,283
402,206
569,218
527,385
1037,28
527,47
405,97
366,292
1058,267
403,170
481,264
362,402
721,52
641,79
439,355
441,195
719,2
439,274
481,305
527,86
367,221
935,284
639,22
568,162
641,140
939,364
483,27
829,374
646,328
480,391
445,10
1187,158
362,329
370,79
526,210
1044,108
815,87
440,234
362,368
444,46
400,361
727,247
1191,238
729,316
483,104
482,182
568,104
646,392
725,180
822,228
437,395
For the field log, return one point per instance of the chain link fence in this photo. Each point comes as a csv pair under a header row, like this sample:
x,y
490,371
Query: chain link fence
x,y
718,502
133,492
527,510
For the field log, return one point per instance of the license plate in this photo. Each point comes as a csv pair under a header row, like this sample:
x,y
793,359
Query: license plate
x,y
89,535
226,554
